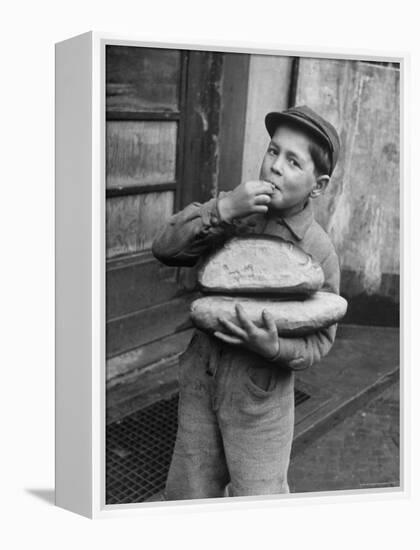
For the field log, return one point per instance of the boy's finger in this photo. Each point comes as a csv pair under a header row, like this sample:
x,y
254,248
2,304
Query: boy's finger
x,y
262,199
262,186
234,329
269,321
228,339
259,208
247,324
257,187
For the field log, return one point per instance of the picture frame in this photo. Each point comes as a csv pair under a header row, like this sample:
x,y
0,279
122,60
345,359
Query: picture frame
x,y
81,336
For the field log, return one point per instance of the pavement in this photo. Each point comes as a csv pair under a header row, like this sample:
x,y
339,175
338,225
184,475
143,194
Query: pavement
x,y
363,362
362,451
347,432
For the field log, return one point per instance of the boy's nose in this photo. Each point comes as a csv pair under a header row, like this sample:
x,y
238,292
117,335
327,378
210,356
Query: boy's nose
x,y
277,166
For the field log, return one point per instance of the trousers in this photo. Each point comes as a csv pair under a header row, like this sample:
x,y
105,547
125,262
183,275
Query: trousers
x,y
235,424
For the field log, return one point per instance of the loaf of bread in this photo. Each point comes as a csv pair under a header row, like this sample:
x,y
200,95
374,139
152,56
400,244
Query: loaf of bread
x,y
260,264
293,318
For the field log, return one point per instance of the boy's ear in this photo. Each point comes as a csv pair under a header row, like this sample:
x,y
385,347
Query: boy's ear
x,y
320,186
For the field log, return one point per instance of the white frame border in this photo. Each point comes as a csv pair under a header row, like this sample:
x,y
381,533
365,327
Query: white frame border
x,y
92,502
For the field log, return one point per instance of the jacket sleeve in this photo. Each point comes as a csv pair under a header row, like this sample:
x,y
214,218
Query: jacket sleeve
x,y
302,352
190,233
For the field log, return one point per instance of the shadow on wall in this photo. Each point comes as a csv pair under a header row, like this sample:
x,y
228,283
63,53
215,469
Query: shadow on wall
x,y
373,310
380,308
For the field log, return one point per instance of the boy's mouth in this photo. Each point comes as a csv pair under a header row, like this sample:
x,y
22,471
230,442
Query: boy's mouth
x,y
273,185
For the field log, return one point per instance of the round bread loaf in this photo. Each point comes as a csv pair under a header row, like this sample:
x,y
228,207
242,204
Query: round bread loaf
x,y
295,318
260,264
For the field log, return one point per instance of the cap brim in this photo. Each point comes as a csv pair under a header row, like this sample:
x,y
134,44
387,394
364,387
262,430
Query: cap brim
x,y
274,120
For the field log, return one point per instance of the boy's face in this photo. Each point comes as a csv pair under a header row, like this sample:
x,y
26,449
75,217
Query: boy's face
x,y
288,165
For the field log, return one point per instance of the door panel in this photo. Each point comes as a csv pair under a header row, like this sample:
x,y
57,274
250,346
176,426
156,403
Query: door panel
x,y
140,153
133,221
147,325
142,79
138,284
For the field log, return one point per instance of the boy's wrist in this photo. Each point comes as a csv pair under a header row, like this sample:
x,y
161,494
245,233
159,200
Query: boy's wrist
x,y
276,354
266,351
225,210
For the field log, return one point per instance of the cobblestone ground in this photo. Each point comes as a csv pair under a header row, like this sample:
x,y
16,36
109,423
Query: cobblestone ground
x,y
360,452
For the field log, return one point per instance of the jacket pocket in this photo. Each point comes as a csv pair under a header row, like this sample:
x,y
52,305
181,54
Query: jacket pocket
x,y
261,381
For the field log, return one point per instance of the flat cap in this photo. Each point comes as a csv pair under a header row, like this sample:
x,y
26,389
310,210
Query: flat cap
x,y
310,120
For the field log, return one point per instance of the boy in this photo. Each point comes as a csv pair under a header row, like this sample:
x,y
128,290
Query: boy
x,y
236,408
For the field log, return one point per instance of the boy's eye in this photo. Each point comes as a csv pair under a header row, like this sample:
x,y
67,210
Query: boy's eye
x,y
272,151
293,162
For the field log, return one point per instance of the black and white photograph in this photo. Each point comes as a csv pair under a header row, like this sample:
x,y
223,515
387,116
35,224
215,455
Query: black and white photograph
x,y
252,230
210,294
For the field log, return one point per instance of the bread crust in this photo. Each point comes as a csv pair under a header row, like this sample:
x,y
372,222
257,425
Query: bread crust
x,y
292,317
260,264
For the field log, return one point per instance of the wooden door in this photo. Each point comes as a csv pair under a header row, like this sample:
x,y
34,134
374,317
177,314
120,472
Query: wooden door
x,y
161,106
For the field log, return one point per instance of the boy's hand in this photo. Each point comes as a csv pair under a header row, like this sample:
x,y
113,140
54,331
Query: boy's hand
x,y
248,198
263,341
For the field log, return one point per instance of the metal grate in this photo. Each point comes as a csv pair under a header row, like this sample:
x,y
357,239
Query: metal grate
x,y
139,450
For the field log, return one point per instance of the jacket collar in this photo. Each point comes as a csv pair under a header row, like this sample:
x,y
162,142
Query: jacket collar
x,y
298,224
